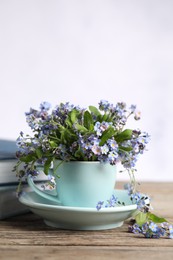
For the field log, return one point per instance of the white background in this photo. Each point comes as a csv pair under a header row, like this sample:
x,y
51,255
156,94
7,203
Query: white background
x,y
86,50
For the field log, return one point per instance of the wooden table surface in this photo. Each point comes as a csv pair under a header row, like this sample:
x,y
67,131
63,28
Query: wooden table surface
x,y
27,237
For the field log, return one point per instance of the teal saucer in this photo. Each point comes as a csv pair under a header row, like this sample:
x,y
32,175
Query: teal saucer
x,y
78,218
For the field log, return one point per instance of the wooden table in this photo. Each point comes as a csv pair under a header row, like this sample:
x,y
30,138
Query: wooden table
x,y
27,237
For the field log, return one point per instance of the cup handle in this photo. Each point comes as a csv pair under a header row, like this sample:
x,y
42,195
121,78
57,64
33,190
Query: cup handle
x,y
41,193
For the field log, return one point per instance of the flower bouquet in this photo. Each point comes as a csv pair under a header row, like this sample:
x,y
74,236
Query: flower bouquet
x,y
69,133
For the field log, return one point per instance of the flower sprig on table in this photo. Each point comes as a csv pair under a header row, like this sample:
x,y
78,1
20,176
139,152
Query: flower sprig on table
x,y
72,133
145,222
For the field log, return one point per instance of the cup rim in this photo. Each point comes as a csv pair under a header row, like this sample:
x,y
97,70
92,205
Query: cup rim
x,y
85,162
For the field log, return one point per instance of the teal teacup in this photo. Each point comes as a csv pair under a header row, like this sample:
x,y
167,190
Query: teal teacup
x,y
80,184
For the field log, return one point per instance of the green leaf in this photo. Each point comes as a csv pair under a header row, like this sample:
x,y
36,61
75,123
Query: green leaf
x,y
94,110
104,117
62,135
155,218
53,144
81,128
73,116
106,135
67,136
141,218
47,165
126,149
28,158
123,136
39,153
88,121
68,122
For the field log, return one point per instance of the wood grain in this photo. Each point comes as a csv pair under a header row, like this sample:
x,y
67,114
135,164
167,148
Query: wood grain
x,y
27,237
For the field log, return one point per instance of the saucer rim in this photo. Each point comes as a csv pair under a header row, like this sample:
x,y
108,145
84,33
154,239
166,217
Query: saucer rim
x,y
32,204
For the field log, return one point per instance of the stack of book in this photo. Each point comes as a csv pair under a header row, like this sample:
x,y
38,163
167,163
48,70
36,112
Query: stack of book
x,y
9,203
